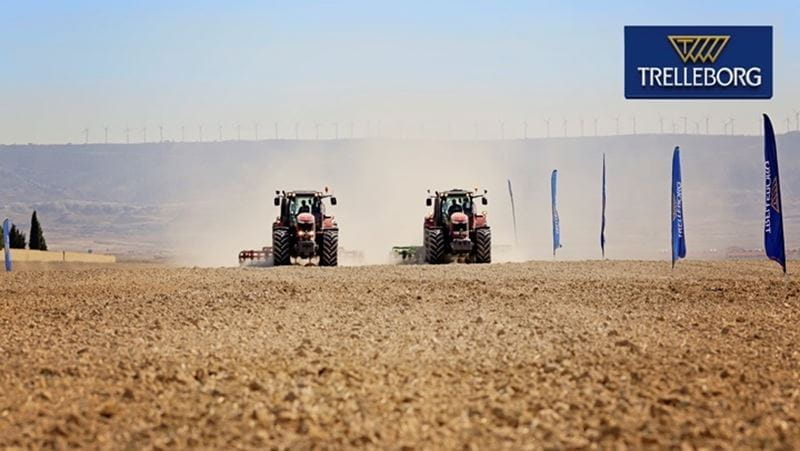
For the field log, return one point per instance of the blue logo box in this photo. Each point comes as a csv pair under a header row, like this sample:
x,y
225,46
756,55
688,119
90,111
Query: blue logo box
x,y
698,62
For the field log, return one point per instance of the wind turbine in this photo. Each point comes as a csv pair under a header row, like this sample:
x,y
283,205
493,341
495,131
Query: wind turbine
x,y
238,132
105,132
674,128
352,129
661,123
336,130
144,134
726,127
219,130
547,124
732,131
616,118
183,133
200,133
787,124
502,130
595,126
708,119
85,135
565,127
161,133
696,127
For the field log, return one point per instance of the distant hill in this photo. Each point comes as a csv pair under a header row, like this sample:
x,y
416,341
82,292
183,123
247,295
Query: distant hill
x,y
202,202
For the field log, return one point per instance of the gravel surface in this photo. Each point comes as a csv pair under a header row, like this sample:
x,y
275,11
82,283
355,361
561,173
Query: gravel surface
x,y
515,356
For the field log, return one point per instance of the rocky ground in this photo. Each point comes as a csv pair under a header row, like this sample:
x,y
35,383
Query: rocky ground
x,y
515,356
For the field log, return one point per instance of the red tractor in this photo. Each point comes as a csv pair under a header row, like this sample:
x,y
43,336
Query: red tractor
x,y
303,230
455,230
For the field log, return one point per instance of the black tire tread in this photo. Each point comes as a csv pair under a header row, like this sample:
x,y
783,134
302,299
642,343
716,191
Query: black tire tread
x,y
280,247
483,246
434,246
329,255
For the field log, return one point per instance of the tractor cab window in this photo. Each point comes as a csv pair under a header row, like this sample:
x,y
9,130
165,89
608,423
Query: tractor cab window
x,y
455,204
300,204
318,208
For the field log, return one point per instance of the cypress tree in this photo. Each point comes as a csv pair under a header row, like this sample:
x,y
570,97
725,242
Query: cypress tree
x,y
37,241
16,238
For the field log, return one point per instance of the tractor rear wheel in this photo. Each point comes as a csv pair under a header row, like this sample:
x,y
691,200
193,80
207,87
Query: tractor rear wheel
x,y
329,256
280,247
483,246
434,246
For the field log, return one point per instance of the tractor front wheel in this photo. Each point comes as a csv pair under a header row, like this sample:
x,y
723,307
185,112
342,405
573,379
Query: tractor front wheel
x,y
434,246
280,247
483,246
329,256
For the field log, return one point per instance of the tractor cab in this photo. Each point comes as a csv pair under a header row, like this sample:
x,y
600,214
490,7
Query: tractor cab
x,y
455,203
295,203
447,203
309,204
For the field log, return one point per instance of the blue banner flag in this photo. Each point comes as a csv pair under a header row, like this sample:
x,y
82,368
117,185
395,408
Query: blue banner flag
x,y
603,213
556,231
678,232
773,218
7,244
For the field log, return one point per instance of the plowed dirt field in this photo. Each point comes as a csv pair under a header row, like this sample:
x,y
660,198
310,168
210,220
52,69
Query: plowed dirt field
x,y
516,356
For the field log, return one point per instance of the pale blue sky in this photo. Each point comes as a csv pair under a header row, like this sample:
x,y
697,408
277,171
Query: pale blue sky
x,y
412,64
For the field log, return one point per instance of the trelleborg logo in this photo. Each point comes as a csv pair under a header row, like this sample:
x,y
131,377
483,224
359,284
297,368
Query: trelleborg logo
x,y
698,62
775,199
699,49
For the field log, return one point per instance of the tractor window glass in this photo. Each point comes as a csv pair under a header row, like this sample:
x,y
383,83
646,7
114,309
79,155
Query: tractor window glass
x,y
319,207
455,204
300,205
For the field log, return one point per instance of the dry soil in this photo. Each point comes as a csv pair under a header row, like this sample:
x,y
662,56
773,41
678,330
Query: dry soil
x,y
516,356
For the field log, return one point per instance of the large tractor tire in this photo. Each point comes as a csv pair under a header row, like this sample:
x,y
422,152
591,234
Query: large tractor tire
x,y
434,246
280,247
329,255
483,246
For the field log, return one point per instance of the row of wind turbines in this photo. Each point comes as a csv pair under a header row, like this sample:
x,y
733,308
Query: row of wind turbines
x,y
683,124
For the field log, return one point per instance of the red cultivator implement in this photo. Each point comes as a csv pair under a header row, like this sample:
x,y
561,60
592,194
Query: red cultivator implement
x,y
255,256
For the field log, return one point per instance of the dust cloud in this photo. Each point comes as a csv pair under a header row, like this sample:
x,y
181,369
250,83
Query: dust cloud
x,y
381,188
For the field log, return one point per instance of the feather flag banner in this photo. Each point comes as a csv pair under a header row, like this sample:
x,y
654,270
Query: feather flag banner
x,y
7,244
678,232
556,227
603,213
773,217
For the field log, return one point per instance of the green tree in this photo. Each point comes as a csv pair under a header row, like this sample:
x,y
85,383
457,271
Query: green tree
x,y
16,238
37,241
